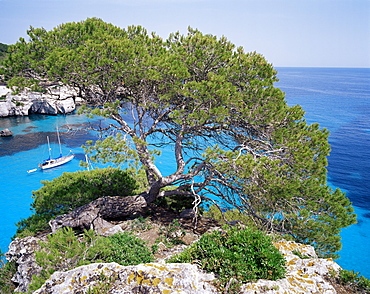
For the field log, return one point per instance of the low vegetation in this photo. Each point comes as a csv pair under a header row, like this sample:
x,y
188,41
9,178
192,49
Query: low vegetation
x,y
64,250
235,254
7,271
71,190
358,283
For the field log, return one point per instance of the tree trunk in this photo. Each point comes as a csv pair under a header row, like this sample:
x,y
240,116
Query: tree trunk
x,y
97,214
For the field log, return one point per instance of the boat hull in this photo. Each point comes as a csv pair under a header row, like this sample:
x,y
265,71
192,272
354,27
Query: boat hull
x,y
56,162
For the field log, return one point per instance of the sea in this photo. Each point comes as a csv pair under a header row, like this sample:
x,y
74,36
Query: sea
x,y
336,98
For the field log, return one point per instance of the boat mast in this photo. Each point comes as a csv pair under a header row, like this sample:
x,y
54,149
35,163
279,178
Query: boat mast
x,y
60,146
49,149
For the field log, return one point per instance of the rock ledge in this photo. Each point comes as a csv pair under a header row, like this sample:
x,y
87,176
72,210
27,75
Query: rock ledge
x,y
57,100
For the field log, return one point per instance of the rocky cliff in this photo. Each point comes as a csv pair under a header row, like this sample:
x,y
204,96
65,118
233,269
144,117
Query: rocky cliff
x,y
55,100
306,273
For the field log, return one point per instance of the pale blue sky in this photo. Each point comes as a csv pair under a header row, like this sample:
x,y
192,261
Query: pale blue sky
x,y
326,33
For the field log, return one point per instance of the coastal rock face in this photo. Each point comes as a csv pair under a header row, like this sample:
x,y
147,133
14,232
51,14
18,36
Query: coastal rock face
x,y
143,278
305,275
21,251
59,99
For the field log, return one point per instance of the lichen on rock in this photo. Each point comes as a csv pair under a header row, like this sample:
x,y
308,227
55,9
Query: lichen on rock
x,y
142,278
305,275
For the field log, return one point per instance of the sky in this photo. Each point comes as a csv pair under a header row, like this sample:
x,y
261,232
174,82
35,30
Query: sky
x,y
288,33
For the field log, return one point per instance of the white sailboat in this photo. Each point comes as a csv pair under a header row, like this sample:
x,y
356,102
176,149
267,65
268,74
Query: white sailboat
x,y
53,162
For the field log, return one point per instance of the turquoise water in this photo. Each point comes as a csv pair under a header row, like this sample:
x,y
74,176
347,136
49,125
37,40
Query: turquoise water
x,y
338,99
23,152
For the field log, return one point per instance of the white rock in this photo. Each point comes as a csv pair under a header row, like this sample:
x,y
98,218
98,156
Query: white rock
x,y
4,90
113,230
56,100
21,251
143,278
303,275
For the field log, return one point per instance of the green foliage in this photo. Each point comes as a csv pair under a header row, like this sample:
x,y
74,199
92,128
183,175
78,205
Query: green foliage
x,y
33,224
7,271
355,280
234,137
127,249
300,255
229,215
175,203
72,190
104,285
243,254
3,50
117,150
140,224
64,250
171,234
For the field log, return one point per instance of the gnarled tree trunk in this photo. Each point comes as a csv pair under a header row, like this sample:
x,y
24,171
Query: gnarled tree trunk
x,y
97,213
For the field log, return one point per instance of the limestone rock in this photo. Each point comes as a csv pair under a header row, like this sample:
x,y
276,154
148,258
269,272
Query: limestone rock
x,y
112,230
57,99
303,275
143,278
6,133
21,251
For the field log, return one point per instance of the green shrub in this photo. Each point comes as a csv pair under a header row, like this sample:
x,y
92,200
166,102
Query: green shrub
x,y
33,224
7,271
300,255
353,279
3,50
64,251
127,249
104,285
229,215
140,224
71,190
241,254
169,235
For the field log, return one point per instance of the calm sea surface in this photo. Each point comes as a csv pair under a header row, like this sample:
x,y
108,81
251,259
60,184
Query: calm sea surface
x,y
337,98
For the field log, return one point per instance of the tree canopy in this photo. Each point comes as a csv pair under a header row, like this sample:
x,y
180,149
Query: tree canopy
x,y
3,50
234,137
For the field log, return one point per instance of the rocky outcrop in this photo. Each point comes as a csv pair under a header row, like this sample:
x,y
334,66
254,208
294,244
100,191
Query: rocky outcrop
x,y
21,251
304,275
6,133
56,100
143,278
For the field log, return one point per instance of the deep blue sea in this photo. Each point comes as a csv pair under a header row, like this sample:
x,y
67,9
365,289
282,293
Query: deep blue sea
x,y
337,98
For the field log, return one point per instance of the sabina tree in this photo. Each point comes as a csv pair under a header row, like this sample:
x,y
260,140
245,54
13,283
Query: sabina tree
x,y
233,136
